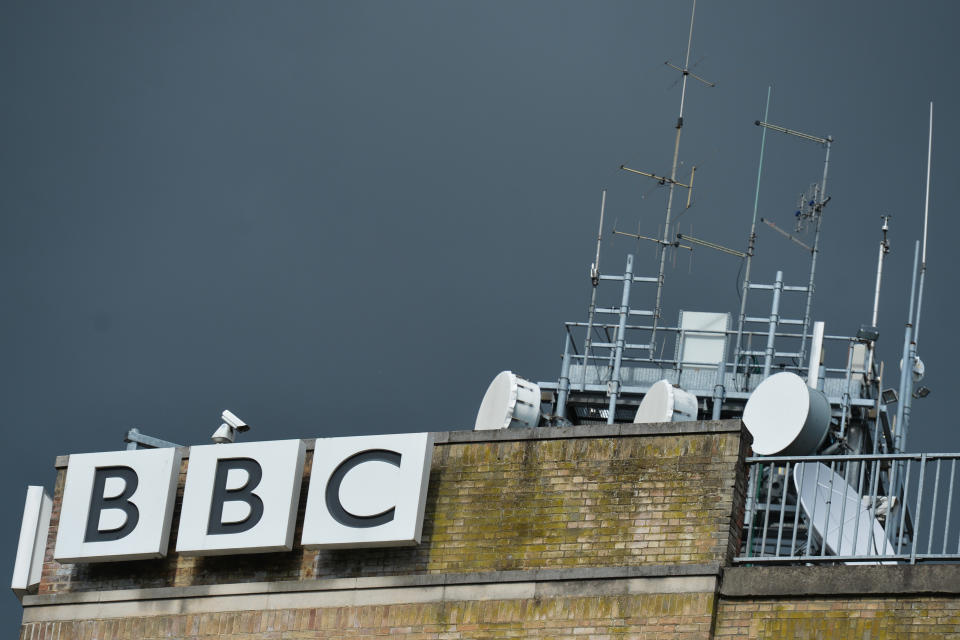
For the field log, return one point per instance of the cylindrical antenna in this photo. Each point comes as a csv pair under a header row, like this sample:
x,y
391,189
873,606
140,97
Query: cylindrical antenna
x,y
926,210
751,242
884,250
595,267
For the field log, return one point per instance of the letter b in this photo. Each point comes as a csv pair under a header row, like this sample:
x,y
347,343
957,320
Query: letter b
x,y
221,495
99,503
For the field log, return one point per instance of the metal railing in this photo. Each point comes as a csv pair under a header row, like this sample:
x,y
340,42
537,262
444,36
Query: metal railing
x,y
604,348
862,509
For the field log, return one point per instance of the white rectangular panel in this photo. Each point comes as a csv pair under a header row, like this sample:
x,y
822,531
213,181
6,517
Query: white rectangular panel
x,y
241,498
368,491
117,505
33,540
702,339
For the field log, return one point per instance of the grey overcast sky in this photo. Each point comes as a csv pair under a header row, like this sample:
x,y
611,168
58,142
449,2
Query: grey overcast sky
x,y
346,217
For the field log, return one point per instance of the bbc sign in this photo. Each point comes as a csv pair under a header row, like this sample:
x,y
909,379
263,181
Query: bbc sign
x,y
364,491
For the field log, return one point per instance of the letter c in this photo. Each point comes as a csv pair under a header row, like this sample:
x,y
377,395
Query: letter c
x,y
335,507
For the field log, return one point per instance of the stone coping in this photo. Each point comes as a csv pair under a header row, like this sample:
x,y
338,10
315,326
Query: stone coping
x,y
840,580
380,582
555,433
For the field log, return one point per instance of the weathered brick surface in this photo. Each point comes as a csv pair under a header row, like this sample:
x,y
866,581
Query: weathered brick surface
x,y
844,618
579,502
513,505
645,617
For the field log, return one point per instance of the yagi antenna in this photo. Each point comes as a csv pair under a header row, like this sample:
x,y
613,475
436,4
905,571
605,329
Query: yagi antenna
x,y
671,180
827,142
654,240
786,234
662,180
685,71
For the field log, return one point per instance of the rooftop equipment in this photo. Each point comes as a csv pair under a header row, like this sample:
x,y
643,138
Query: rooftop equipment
x,y
786,417
845,525
510,401
666,403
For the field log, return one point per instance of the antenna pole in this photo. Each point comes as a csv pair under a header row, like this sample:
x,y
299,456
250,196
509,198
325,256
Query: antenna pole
x,y
774,321
751,244
910,345
906,365
613,386
673,179
884,250
816,249
594,280
926,211
595,267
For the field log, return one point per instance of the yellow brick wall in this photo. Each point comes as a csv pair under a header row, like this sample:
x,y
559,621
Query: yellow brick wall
x,y
847,618
512,505
644,617
647,499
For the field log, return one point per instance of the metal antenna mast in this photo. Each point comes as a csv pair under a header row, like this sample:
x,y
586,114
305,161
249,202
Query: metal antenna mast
x,y
818,212
685,70
884,250
912,332
594,281
926,211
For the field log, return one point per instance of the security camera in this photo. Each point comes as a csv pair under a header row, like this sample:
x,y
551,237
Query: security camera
x,y
224,435
231,419
227,432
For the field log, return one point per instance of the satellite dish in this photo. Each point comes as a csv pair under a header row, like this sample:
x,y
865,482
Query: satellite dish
x,y
786,417
825,496
666,403
510,401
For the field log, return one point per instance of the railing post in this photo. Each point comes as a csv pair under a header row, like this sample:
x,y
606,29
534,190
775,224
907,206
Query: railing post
x,y
916,516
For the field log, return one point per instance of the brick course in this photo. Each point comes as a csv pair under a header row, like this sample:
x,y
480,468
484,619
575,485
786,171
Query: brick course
x,y
840,618
650,616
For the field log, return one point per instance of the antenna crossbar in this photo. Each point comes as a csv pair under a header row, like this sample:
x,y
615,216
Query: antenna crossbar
x,y
687,72
712,245
786,235
653,176
654,240
791,132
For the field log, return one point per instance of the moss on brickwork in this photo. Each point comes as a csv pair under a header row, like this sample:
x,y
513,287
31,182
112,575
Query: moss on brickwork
x,y
849,618
648,616
513,505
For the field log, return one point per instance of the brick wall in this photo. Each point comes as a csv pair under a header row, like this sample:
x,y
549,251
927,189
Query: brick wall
x,y
620,531
653,616
847,617
840,602
660,495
